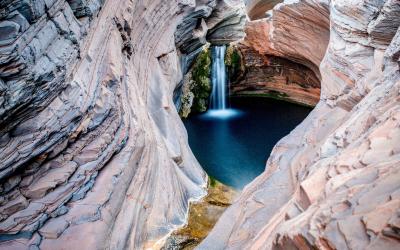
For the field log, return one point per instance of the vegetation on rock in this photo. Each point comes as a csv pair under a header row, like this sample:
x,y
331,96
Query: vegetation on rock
x,y
187,96
197,85
233,62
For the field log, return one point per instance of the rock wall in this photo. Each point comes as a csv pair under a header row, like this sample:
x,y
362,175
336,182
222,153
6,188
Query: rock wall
x,y
215,22
258,9
279,59
276,77
333,183
280,35
93,154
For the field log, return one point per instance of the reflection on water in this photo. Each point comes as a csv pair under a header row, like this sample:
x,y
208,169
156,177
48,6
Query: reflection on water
x,y
222,114
233,145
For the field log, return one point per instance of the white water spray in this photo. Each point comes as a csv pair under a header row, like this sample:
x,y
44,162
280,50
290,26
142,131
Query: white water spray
x,y
218,78
218,101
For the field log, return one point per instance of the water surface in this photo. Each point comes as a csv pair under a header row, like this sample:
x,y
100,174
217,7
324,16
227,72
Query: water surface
x,y
233,148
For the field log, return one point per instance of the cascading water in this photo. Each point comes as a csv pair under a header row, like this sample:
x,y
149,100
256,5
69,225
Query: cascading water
x,y
218,101
218,78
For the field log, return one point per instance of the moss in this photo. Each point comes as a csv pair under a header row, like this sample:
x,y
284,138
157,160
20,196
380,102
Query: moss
x,y
234,63
212,182
197,85
201,76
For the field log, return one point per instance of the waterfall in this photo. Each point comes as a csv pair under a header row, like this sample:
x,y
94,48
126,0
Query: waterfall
x,y
218,108
218,78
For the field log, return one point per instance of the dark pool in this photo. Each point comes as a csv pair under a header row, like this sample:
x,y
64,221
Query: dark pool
x,y
234,149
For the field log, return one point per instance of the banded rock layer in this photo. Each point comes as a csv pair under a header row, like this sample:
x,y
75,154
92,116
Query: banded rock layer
x,y
282,55
258,9
93,154
273,76
333,183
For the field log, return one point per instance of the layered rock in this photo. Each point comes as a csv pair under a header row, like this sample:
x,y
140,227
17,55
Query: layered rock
x,y
226,22
278,58
276,77
333,182
258,9
281,36
215,22
93,153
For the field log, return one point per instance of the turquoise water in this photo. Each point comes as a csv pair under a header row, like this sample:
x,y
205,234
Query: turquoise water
x,y
233,145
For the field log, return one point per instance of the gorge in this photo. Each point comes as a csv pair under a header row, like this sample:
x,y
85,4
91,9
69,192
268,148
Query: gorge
x,y
233,139
94,153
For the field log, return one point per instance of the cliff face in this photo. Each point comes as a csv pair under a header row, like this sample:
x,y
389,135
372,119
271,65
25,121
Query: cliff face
x,y
333,182
93,153
217,22
281,56
277,77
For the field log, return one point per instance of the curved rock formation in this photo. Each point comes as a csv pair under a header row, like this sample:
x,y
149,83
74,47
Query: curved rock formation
x,y
93,153
276,77
217,22
226,22
333,183
281,56
257,9
303,41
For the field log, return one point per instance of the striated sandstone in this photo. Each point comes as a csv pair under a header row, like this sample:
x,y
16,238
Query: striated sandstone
x,y
93,154
281,36
277,77
333,183
258,9
282,56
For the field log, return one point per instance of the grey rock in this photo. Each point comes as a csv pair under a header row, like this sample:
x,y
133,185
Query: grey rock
x,y
8,32
59,211
53,228
13,206
226,24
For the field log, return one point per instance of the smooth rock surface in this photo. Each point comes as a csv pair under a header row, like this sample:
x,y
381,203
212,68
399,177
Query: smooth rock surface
x,y
333,183
93,154
272,76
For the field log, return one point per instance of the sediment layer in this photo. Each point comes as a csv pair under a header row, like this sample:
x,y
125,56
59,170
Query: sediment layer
x,y
333,182
93,153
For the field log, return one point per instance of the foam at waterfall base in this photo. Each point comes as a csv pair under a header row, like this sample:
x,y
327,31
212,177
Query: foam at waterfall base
x,y
222,114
